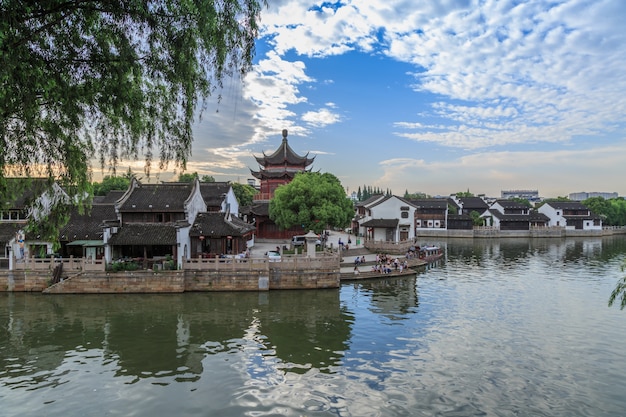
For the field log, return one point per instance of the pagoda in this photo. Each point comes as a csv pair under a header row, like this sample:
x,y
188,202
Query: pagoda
x,y
276,169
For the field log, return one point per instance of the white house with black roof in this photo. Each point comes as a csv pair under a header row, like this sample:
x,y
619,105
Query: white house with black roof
x,y
153,221
388,218
570,215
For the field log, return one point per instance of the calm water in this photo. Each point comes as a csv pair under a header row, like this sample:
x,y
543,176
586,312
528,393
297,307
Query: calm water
x,y
498,328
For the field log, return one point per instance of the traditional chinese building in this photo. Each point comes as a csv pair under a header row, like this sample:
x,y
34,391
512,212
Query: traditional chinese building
x,y
276,169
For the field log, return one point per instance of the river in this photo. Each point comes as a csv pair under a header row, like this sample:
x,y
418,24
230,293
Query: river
x,y
516,327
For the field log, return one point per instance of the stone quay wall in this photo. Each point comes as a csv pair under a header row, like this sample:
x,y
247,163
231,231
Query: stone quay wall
x,y
303,274
539,232
19,281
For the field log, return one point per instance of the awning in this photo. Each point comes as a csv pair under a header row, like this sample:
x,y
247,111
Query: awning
x,y
86,243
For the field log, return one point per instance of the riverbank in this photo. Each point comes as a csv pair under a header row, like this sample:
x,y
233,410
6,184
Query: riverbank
x,y
214,275
485,232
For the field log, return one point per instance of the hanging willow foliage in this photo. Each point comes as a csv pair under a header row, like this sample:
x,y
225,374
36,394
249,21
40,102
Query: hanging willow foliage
x,y
105,80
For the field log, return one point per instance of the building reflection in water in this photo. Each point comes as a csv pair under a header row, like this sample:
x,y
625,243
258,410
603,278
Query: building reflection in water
x,y
171,335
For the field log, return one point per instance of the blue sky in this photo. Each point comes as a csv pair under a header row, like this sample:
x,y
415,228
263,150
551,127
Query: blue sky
x,y
432,96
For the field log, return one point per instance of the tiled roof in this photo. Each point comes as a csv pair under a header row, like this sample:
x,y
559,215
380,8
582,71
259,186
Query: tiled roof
x,y
510,217
284,155
473,203
430,203
381,223
567,205
274,174
216,225
141,234
261,208
167,197
369,200
535,216
213,192
87,225
110,198
511,204
8,230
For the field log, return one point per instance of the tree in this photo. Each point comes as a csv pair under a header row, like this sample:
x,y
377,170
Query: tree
x,y
110,182
111,80
312,200
612,211
187,177
476,219
465,193
414,196
207,178
523,201
244,193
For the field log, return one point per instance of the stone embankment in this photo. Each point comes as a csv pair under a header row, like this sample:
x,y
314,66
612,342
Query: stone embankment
x,y
251,275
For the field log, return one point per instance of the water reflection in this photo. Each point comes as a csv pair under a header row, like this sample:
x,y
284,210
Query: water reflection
x,y
498,327
164,335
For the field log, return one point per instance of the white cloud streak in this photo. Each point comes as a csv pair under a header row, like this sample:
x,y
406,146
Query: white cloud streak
x,y
520,71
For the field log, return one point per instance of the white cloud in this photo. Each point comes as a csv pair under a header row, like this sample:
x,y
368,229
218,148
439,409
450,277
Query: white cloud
x,y
551,172
541,63
320,118
550,65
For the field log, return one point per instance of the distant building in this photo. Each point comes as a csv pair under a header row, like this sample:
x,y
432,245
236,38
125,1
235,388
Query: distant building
x,y
583,195
571,215
530,195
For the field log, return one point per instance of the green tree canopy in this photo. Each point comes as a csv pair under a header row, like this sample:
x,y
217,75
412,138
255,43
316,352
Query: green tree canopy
x,y
110,182
414,196
612,210
465,193
187,177
312,200
523,201
112,79
244,193
476,219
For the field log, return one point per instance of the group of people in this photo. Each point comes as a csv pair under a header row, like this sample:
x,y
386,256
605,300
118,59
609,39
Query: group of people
x,y
387,264
384,264
343,245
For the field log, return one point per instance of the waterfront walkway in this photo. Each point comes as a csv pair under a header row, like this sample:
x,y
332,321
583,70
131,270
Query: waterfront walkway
x,y
347,256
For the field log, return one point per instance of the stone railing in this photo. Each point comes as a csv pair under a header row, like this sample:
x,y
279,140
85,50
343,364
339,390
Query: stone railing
x,y
385,246
257,264
214,264
69,264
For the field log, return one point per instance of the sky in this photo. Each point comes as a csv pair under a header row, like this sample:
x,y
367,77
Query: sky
x,y
430,96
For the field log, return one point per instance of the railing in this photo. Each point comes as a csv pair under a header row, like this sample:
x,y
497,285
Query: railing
x,y
69,264
255,264
286,262
387,246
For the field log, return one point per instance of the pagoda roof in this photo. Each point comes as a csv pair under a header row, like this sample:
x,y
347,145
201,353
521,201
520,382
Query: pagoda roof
x,y
273,174
284,155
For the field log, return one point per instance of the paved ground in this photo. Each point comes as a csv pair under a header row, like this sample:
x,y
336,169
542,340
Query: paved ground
x,y
263,245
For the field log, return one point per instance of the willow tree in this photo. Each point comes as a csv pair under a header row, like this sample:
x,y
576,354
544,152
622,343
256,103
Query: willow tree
x,y
619,291
104,80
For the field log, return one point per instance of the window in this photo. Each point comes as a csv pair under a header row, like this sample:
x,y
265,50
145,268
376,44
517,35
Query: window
x,y
404,214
